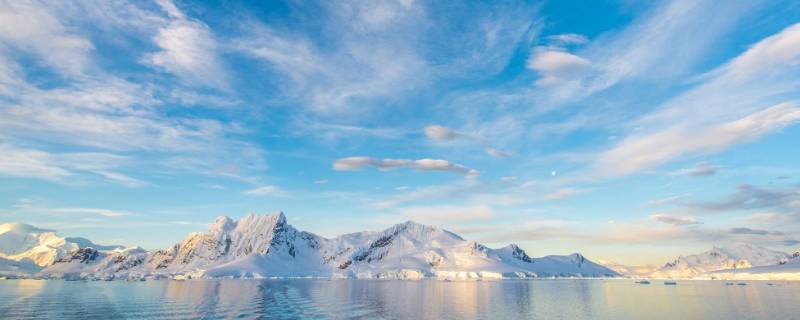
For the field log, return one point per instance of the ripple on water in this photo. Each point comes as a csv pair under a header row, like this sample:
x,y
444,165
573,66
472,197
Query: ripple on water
x,y
377,299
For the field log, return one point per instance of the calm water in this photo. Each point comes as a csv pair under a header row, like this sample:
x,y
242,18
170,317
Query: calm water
x,y
368,299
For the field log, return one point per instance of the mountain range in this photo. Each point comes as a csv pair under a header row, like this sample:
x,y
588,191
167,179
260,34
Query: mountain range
x,y
266,246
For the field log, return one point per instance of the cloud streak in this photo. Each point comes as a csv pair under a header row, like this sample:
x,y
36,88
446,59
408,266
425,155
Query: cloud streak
x,y
358,163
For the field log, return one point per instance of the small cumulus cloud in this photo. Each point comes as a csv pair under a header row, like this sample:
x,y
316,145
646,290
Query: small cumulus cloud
x,y
556,66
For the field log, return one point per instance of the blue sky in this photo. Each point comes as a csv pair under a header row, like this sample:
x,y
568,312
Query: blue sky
x,y
633,131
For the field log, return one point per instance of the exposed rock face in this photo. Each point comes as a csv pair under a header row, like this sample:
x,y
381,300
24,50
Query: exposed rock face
x,y
85,255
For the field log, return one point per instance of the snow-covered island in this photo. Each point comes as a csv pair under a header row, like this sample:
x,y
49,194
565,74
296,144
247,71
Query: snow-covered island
x,y
266,246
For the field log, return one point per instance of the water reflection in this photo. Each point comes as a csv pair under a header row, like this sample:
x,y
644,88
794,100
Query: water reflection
x,y
367,299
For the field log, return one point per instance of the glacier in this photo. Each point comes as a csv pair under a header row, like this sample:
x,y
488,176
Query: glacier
x,y
266,246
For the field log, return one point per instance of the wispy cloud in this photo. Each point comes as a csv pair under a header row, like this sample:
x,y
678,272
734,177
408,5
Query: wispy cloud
x,y
49,41
742,101
188,49
445,134
750,197
97,111
31,163
27,206
674,220
645,151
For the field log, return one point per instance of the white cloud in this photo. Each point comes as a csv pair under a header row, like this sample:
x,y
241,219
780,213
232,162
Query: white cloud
x,y
358,163
265,191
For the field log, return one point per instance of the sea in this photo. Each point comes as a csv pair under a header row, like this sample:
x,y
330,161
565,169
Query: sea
x,y
398,299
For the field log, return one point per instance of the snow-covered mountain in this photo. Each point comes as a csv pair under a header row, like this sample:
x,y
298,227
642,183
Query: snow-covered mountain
x,y
736,256
267,246
30,245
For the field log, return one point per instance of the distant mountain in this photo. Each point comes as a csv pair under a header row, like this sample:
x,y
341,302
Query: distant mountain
x,y
784,270
267,246
42,247
632,271
736,256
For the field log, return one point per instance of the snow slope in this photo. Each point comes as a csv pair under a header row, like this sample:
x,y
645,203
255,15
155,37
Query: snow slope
x,y
736,256
267,246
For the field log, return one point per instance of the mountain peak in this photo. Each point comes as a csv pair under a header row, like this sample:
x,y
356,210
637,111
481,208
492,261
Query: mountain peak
x,y
222,224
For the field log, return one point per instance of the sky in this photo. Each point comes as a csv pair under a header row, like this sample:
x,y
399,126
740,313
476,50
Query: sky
x,y
630,131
